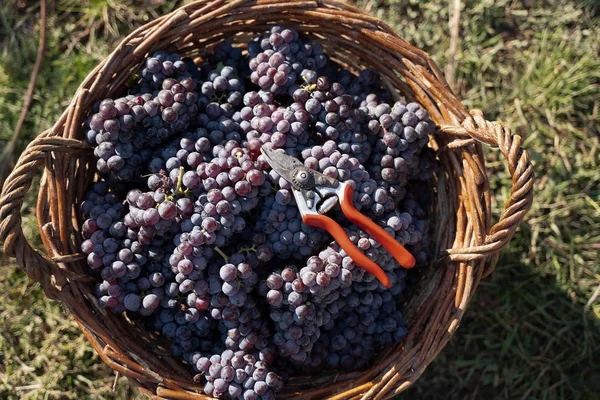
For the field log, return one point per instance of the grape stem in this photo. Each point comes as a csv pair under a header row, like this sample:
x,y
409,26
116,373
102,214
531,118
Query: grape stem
x,y
308,87
218,98
134,80
248,249
179,189
225,257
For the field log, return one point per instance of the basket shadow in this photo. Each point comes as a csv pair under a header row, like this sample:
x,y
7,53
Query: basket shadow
x,y
522,337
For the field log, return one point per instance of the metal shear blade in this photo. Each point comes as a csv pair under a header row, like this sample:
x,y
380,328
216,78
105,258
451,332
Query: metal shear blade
x,y
301,177
283,164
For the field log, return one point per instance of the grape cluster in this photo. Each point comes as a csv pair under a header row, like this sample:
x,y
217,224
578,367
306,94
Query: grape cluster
x,y
286,235
127,130
239,375
406,127
225,54
366,319
160,66
266,124
296,319
311,307
282,58
188,330
187,226
222,87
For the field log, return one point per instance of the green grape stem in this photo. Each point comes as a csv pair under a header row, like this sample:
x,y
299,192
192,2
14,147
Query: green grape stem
x,y
179,189
222,254
251,249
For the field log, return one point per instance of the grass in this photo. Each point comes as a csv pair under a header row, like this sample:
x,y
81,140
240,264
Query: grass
x,y
532,330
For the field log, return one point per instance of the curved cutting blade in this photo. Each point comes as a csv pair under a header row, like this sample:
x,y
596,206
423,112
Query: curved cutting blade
x,y
287,167
283,164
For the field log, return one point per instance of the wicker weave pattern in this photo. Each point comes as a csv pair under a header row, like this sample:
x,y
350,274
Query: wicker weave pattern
x,y
466,242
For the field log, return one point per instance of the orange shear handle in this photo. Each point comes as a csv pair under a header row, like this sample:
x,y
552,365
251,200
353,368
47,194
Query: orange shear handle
x,y
324,222
389,243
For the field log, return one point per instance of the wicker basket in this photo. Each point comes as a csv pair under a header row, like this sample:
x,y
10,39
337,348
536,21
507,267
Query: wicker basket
x,y
466,243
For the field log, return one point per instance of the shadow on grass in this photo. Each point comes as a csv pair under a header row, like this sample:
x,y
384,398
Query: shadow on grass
x,y
522,338
43,354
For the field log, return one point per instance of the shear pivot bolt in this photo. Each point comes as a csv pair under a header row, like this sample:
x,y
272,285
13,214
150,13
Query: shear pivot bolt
x,y
303,179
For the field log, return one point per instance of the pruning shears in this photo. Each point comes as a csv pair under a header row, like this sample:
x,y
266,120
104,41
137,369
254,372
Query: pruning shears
x,y
316,194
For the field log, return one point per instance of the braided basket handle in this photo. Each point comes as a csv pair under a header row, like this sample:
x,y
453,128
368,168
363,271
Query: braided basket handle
x,y
521,193
13,193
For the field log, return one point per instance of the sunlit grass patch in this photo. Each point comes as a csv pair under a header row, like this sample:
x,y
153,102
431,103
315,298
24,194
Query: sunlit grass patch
x,y
42,351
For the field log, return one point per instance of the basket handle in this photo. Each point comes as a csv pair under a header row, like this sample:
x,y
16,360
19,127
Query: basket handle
x,y
521,194
16,186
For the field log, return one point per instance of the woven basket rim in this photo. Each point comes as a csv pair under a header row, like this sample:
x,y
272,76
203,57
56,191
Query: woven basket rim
x,y
467,240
